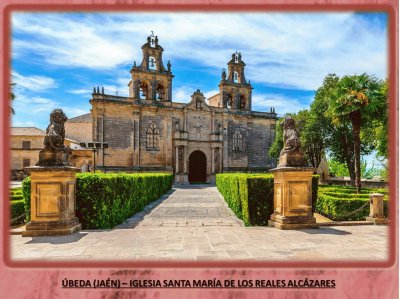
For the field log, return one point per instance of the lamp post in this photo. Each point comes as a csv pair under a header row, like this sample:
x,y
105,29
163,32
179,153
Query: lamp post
x,y
94,146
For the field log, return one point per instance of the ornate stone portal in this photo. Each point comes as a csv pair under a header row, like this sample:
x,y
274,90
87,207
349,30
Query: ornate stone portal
x,y
292,184
53,185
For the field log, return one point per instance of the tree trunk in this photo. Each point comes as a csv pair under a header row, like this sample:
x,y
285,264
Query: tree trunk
x,y
349,158
356,127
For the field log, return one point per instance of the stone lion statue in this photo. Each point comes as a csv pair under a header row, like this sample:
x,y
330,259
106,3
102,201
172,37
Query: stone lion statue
x,y
291,154
55,153
55,132
291,140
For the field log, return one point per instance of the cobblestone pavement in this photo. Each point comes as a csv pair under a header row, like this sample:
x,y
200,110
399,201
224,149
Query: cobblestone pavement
x,y
193,223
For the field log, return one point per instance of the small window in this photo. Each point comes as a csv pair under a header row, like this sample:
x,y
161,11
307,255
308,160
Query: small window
x,y
152,138
237,142
235,77
152,63
26,145
26,162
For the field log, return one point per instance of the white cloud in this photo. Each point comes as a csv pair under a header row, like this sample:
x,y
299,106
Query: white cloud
x,y
284,49
35,83
281,103
182,94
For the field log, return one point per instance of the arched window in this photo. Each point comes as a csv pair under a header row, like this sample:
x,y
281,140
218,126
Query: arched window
x,y
237,141
144,91
229,101
235,77
152,138
242,102
160,92
152,63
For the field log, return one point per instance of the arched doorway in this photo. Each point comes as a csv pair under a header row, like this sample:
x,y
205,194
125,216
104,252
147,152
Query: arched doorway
x,y
197,167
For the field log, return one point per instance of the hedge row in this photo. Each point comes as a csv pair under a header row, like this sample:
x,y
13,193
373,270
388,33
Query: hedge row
x,y
17,209
26,193
16,194
106,200
344,204
251,196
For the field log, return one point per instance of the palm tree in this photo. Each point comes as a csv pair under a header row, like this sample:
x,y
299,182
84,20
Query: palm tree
x,y
12,97
354,99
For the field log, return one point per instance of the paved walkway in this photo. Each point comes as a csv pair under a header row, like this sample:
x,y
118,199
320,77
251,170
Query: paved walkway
x,y
193,223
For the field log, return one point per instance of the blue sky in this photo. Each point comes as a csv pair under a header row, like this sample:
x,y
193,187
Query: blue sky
x,y
57,58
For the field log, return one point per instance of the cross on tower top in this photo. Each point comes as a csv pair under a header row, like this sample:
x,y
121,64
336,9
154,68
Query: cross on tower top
x,y
152,39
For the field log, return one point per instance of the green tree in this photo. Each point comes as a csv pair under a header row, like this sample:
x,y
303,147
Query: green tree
x,y
337,169
354,99
310,137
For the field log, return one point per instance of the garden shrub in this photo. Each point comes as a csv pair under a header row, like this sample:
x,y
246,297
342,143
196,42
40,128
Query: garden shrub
x,y
338,202
16,193
17,209
257,197
106,200
251,196
314,191
26,193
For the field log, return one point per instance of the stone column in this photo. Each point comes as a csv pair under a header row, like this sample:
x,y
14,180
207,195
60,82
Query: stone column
x,y
376,214
176,159
184,159
212,161
220,158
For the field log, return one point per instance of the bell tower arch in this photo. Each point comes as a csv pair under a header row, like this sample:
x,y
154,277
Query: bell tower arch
x,y
235,91
151,80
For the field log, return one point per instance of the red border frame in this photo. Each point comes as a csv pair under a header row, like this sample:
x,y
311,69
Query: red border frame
x,y
387,6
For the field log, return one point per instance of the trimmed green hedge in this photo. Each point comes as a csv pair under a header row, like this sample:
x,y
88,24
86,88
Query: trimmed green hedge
x,y
26,193
17,209
338,202
16,193
251,196
106,200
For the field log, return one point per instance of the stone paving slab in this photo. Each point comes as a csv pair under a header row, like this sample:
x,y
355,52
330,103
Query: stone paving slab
x,y
155,235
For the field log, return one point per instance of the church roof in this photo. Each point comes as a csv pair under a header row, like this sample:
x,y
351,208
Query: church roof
x,y
85,118
27,131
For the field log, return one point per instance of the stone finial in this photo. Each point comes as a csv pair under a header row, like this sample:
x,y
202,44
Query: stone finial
x,y
94,90
98,90
223,74
169,66
102,90
55,153
291,154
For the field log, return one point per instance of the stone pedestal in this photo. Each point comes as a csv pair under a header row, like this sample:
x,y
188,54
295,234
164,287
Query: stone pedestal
x,y
52,201
293,198
376,214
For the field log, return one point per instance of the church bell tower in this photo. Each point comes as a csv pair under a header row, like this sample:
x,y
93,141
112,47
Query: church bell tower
x,y
151,81
235,91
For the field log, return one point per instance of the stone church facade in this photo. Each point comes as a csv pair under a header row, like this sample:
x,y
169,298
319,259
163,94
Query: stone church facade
x,y
148,131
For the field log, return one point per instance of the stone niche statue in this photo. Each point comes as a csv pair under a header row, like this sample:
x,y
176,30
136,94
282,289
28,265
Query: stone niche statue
x,y
291,154
55,153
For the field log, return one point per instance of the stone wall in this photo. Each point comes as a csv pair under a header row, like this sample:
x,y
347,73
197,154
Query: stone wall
x,y
180,129
81,132
18,154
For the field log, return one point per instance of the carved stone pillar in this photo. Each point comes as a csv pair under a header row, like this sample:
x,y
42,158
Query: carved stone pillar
x,y
212,160
176,159
184,159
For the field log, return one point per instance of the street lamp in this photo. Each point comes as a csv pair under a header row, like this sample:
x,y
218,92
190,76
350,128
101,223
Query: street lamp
x,y
94,146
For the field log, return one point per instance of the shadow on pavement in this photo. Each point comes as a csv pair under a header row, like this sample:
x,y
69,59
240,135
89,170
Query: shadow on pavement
x,y
58,239
325,231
